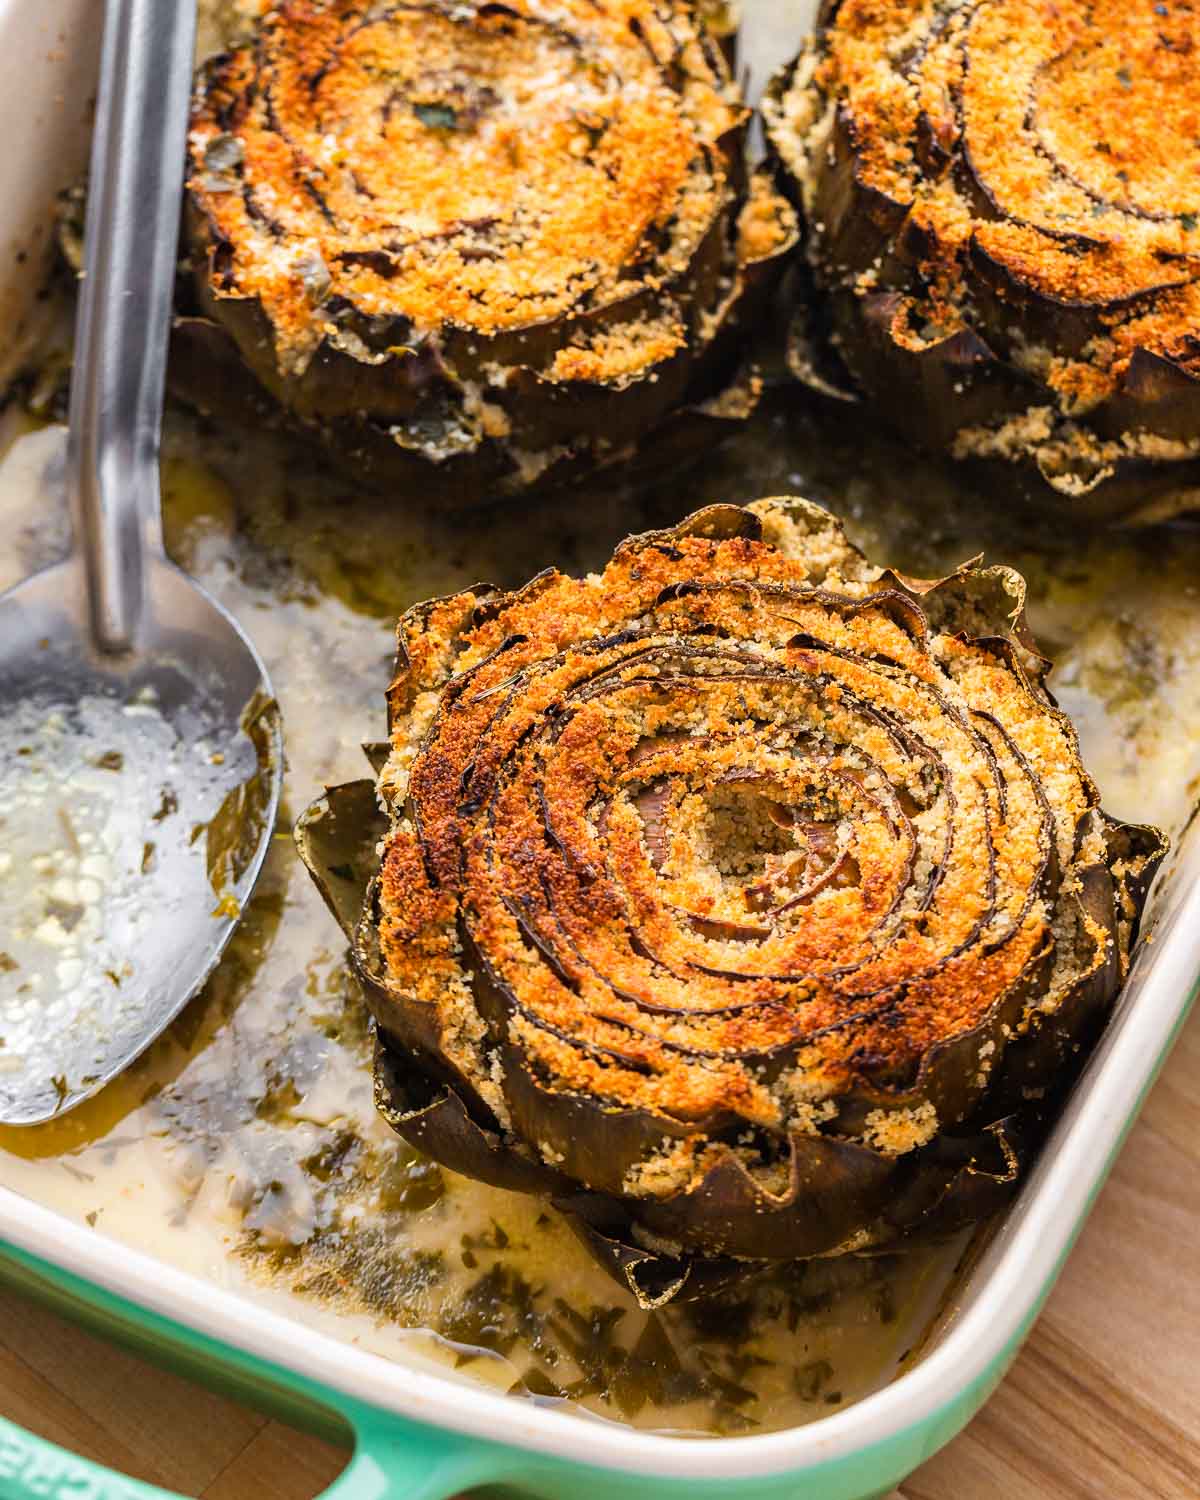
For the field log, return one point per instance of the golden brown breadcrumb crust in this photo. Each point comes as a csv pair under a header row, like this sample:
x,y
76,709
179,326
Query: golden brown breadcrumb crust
x,y
582,776
1076,127
1002,203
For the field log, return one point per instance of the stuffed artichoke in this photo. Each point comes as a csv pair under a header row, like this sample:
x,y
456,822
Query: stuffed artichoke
x,y
1002,205
478,247
745,900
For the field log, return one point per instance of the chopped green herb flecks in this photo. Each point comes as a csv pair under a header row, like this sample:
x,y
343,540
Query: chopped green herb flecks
x,y
810,1379
437,116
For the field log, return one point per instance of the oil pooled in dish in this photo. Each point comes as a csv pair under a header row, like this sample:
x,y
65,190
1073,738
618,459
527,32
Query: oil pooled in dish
x,y
245,1147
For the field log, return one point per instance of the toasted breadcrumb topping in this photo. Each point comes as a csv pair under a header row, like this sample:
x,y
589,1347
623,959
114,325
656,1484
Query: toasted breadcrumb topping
x,y
739,830
488,167
1018,149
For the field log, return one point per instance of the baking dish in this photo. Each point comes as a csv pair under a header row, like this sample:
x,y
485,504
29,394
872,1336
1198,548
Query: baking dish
x,y
423,1435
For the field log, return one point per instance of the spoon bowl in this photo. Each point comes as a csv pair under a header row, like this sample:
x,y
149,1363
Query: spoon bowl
x,y
137,799
140,758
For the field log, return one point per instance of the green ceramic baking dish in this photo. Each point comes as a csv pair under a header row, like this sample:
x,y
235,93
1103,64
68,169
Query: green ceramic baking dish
x,y
428,1435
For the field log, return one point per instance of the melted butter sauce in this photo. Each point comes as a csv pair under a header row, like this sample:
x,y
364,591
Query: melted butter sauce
x,y
244,1147
77,818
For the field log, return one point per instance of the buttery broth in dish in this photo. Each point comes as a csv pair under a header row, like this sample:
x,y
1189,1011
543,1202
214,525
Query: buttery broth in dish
x,y
245,1147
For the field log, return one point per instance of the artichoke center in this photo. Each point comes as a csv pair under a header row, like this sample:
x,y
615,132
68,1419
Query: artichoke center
x,y
753,851
749,834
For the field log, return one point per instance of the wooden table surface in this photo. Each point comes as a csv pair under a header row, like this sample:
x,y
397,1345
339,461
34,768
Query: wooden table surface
x,y
1103,1403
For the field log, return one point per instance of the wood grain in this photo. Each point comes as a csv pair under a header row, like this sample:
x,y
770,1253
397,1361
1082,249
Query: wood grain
x,y
1103,1403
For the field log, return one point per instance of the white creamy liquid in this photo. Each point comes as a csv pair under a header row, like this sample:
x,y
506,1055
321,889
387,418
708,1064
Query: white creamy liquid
x,y
245,1147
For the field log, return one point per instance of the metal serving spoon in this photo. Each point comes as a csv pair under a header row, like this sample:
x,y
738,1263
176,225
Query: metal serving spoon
x,y
140,758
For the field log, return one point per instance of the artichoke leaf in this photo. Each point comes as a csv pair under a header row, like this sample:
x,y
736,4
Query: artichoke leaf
x,y
1009,282
336,838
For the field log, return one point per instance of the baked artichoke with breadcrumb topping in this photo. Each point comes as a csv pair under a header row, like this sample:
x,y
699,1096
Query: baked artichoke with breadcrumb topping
x,y
479,247
1001,201
745,900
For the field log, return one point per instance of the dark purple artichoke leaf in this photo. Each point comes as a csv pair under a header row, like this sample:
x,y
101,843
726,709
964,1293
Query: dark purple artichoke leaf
x,y
337,838
655,1277
433,1117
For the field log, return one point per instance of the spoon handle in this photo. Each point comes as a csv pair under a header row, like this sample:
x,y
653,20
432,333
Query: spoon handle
x,y
123,321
